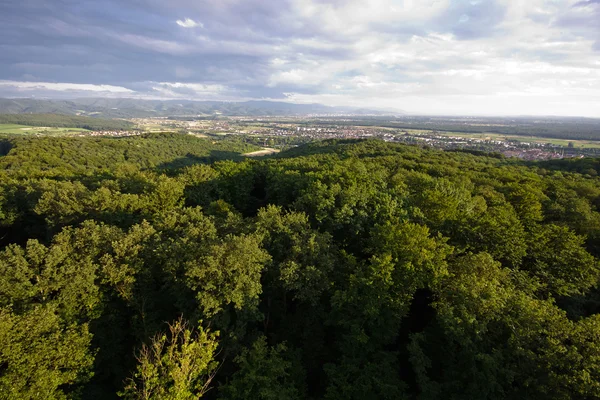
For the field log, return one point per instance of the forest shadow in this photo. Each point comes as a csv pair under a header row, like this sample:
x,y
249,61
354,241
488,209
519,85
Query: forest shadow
x,y
193,159
181,162
586,166
5,147
217,155
327,146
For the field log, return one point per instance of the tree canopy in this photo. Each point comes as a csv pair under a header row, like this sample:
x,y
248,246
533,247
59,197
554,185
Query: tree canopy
x,y
169,267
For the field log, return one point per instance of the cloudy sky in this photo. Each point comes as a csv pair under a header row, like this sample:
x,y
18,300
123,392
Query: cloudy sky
x,y
423,56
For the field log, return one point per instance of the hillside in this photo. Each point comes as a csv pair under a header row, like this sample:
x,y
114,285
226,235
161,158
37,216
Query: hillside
x,y
134,108
65,121
348,269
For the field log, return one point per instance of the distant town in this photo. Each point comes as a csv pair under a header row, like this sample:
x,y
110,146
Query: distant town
x,y
285,132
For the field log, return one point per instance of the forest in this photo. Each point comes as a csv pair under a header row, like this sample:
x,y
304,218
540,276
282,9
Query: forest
x,y
66,121
169,267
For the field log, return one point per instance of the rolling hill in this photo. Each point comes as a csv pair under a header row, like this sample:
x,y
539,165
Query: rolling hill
x,y
132,108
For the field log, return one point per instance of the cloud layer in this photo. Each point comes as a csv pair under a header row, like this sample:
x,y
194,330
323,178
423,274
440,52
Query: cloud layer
x,y
424,56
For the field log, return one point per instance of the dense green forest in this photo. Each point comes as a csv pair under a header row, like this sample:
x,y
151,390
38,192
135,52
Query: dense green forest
x,y
66,121
166,267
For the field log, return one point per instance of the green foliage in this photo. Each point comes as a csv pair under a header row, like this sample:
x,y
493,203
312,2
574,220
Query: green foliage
x,y
41,357
557,257
302,259
508,343
265,373
174,366
228,274
57,275
56,157
339,270
375,377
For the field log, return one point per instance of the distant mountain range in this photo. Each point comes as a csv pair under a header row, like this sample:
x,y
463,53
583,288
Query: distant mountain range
x,y
134,108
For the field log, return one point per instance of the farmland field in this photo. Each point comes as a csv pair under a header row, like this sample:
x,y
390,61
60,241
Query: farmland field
x,y
15,129
264,152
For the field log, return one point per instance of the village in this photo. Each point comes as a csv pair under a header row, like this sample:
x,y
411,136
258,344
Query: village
x,y
283,133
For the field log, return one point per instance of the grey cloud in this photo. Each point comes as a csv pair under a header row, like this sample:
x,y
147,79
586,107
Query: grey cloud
x,y
14,92
137,44
583,20
119,33
140,40
472,19
586,3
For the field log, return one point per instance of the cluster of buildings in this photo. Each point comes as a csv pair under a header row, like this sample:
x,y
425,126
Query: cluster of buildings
x,y
110,133
294,130
510,148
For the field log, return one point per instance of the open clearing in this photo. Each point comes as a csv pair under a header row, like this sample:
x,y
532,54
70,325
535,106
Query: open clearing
x,y
198,135
264,152
14,129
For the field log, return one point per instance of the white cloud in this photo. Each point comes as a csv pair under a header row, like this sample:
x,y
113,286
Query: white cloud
x,y
189,23
426,56
157,45
197,88
294,76
62,87
144,90
530,68
278,61
356,17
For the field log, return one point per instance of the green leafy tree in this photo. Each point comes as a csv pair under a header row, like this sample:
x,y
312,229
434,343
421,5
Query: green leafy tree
x,y
507,342
41,356
265,373
366,376
228,274
558,258
178,365
302,258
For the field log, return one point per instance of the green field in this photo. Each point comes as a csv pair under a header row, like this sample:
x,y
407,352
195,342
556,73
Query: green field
x,y
15,129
